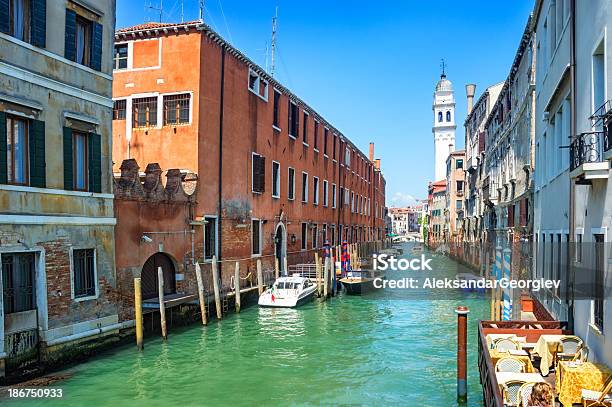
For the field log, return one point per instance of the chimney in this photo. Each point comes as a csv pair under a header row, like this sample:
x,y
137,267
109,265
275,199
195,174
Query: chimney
x,y
377,164
470,89
371,152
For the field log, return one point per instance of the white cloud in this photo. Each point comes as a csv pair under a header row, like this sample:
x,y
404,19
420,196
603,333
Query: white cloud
x,y
400,199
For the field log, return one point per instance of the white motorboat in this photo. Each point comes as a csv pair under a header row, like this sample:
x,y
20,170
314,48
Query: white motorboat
x,y
288,292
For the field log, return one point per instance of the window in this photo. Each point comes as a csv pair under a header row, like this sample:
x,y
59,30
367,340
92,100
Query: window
x,y
334,148
80,161
119,107
325,136
315,186
332,234
176,109
304,187
440,117
256,236
459,164
316,135
210,237
304,236
342,198
18,277
258,172
333,195
459,187
448,116
347,158
83,41
599,282
599,77
19,19
315,235
120,60
325,186
275,118
305,128
347,197
275,179
291,186
144,112
352,201
84,275
258,85
459,204
17,150
293,120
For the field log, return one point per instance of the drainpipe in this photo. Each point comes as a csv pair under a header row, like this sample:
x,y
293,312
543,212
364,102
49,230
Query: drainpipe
x,y
572,198
220,186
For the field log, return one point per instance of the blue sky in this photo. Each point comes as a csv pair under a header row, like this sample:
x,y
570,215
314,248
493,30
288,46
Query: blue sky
x,y
370,67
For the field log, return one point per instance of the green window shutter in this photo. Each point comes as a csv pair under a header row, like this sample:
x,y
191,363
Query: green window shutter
x,y
3,163
68,175
70,36
4,16
95,162
96,46
38,177
38,13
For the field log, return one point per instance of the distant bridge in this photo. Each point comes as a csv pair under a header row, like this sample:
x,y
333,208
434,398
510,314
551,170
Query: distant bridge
x,y
409,237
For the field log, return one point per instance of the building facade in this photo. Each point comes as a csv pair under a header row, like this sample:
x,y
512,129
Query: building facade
x,y
590,155
455,192
275,179
57,222
437,219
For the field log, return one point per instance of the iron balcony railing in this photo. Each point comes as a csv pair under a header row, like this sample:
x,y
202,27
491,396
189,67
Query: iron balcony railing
x,y
601,120
587,148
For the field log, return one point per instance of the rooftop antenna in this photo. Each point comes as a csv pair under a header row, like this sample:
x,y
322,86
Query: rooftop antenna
x,y
202,10
158,9
273,45
182,11
443,66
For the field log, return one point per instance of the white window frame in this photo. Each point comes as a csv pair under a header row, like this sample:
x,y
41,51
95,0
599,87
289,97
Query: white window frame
x,y
275,127
315,187
315,139
304,190
325,193
205,225
276,184
258,83
260,237
334,196
289,186
304,124
291,104
314,229
95,272
253,154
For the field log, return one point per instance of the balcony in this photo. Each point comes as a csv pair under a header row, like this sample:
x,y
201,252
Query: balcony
x,y
602,119
587,159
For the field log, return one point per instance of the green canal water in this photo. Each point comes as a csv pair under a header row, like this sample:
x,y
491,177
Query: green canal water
x,y
383,349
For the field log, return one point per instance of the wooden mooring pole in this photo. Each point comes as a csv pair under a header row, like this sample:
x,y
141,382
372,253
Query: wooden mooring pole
x,y
318,274
138,311
201,299
276,268
259,277
462,313
215,273
162,305
237,286
325,278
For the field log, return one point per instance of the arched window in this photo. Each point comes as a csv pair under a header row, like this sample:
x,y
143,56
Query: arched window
x,y
440,116
448,116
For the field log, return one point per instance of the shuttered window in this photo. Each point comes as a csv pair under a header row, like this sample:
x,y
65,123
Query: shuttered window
x,y
258,173
84,279
24,20
82,161
293,119
83,40
22,151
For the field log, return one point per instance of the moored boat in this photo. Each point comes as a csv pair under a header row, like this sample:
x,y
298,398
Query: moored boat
x,y
288,292
358,282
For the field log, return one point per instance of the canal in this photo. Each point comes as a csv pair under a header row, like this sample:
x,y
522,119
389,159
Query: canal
x,y
396,347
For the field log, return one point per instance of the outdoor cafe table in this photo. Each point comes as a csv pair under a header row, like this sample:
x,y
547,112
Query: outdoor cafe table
x,y
571,380
497,355
544,347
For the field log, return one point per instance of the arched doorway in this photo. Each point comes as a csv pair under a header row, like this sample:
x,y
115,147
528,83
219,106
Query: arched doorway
x,y
280,246
149,276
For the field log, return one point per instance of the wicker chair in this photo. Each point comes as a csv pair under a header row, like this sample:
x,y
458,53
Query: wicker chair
x,y
511,392
525,393
582,354
603,398
506,344
510,364
567,348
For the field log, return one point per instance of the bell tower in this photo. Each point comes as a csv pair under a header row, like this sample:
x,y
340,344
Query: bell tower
x,y
444,123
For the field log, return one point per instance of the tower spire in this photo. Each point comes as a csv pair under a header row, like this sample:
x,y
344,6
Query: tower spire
x,y
443,66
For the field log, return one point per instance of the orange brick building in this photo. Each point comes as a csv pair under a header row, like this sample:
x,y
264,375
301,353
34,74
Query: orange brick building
x,y
274,177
